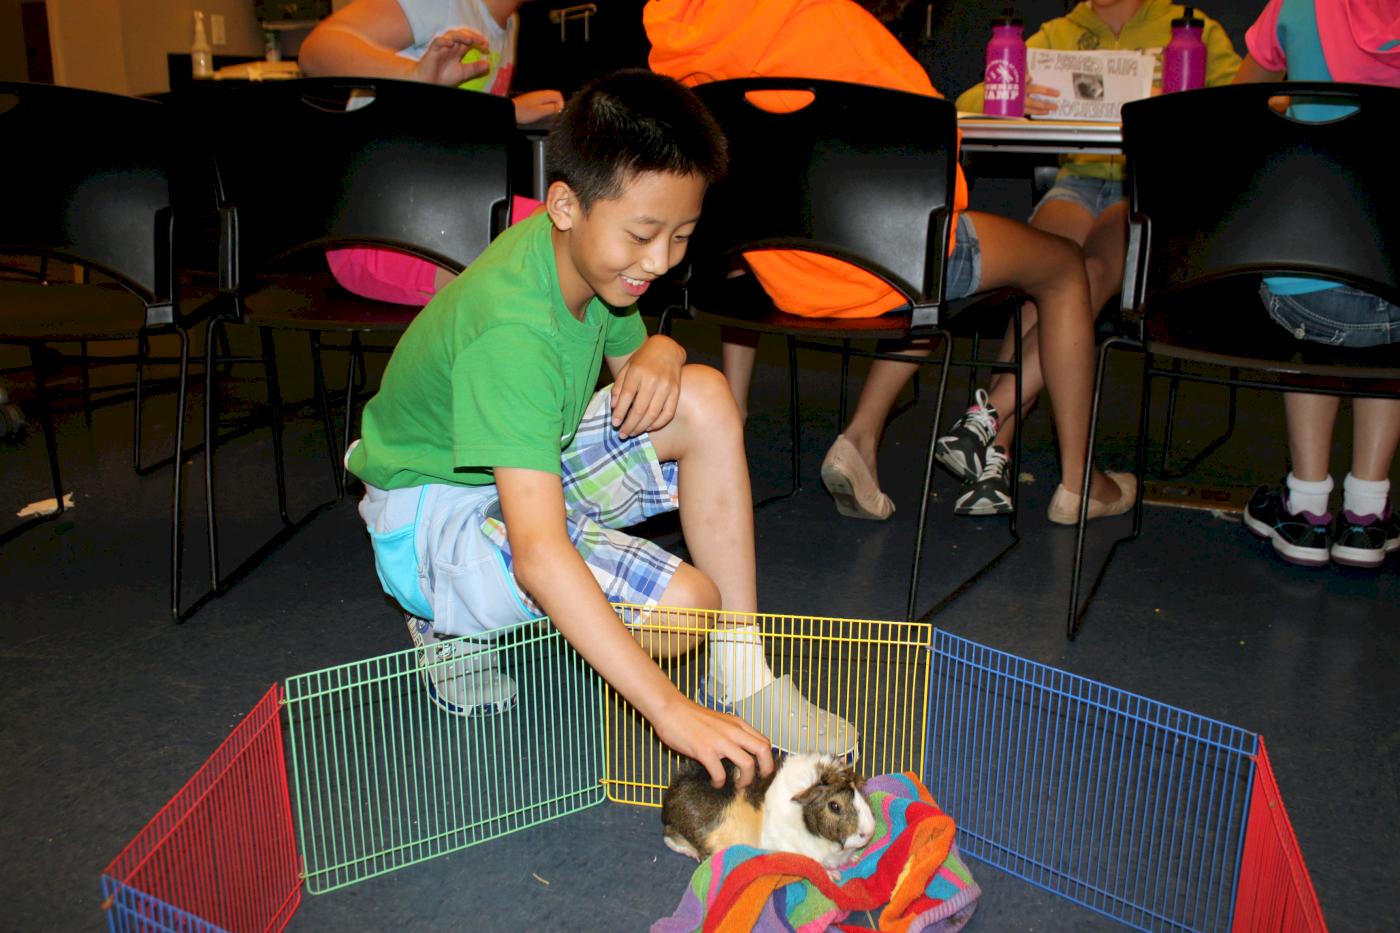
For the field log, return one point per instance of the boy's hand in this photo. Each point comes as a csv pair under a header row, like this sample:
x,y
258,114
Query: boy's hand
x,y
648,387
1037,102
442,61
709,737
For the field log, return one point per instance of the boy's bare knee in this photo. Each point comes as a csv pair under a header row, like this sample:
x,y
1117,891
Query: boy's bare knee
x,y
668,632
692,589
706,396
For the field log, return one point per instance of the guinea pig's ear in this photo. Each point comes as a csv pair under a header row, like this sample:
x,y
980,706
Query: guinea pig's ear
x,y
807,795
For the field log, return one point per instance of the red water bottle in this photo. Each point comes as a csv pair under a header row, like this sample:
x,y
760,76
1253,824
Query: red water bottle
x,y
1004,79
1184,58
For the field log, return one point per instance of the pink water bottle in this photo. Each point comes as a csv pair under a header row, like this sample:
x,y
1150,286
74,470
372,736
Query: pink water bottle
x,y
1184,58
1004,79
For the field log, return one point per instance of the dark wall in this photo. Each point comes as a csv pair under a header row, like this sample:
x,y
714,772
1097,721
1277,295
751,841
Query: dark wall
x,y
545,59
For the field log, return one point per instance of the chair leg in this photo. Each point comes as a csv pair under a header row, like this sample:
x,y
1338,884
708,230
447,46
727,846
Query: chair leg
x,y
141,347
1167,437
947,339
86,375
274,403
178,476
1075,615
795,413
1016,378
353,372
323,397
1144,427
845,384
211,340
41,397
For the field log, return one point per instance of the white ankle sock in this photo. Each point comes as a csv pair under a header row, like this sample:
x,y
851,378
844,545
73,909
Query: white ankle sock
x,y
1308,495
738,668
1365,496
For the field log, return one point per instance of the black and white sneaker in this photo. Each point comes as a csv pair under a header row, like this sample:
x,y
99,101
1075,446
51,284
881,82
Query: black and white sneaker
x,y
1304,539
991,494
1363,540
963,450
1264,508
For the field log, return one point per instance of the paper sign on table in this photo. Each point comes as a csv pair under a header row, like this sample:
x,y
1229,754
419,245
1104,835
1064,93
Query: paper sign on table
x,y
1092,85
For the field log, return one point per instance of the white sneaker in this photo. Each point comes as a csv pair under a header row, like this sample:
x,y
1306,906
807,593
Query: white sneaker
x,y
792,723
460,674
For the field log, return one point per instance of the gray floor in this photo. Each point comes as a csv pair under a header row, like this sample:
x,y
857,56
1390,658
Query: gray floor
x,y
109,708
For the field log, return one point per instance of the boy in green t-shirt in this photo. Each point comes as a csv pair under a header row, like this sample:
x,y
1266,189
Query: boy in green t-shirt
x,y
497,479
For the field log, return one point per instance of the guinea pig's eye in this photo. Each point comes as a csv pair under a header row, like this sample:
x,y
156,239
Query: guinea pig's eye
x,y
834,806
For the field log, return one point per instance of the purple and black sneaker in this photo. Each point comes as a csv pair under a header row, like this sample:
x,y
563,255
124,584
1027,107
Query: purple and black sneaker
x,y
1364,540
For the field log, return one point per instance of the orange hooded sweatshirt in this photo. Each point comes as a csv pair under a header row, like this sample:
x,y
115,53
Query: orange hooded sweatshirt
x,y
836,40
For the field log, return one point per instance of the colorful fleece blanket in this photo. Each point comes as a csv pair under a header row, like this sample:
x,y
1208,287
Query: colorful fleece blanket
x,y
910,873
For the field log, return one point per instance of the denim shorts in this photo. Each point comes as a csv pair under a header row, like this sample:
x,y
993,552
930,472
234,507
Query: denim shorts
x,y
442,551
965,262
1095,195
1340,317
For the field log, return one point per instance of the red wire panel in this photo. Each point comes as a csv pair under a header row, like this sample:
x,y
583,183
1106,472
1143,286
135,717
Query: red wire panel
x,y
1275,891
221,855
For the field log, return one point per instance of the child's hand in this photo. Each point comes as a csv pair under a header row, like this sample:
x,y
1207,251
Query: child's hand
x,y
709,736
648,388
536,105
1036,103
442,61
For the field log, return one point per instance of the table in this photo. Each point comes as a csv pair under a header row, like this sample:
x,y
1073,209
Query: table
x,y
1038,135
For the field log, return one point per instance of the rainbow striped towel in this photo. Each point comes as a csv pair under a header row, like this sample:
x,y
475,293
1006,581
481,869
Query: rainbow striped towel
x,y
911,874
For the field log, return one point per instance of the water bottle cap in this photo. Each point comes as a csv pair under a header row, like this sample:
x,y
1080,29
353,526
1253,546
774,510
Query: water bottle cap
x,y
1008,17
1188,19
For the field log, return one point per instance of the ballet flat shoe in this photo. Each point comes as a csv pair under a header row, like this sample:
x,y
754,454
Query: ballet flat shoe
x,y
1064,505
846,477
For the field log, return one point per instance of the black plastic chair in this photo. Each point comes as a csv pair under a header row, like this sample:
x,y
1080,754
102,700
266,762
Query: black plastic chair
x,y
1224,190
88,181
419,168
860,173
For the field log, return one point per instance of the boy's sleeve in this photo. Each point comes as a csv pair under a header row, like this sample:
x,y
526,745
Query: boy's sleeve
x,y
1262,39
626,332
973,99
507,402
1222,61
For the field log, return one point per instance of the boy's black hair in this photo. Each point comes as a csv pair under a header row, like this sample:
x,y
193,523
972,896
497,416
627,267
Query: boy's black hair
x,y
629,122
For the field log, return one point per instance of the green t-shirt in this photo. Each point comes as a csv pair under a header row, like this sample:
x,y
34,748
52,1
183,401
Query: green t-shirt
x,y
494,372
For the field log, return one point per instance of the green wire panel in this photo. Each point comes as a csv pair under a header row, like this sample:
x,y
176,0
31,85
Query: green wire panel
x,y
873,674
383,776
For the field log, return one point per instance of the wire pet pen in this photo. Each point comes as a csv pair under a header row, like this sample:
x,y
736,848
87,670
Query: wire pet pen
x,y
1149,814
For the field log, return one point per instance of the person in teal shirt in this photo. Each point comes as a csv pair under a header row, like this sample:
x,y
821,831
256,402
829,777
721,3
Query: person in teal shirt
x,y
1344,40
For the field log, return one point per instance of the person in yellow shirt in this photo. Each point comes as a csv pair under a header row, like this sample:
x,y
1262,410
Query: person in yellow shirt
x,y
1085,205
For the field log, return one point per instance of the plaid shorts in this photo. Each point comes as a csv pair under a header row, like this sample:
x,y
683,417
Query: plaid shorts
x,y
464,571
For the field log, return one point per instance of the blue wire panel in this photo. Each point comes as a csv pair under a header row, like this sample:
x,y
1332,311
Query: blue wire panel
x,y
1130,807
134,911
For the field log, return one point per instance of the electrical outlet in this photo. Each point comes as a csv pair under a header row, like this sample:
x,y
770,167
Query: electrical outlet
x,y
217,36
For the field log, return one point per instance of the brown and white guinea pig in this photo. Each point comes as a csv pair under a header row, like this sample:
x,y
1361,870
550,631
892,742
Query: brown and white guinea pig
x,y
811,804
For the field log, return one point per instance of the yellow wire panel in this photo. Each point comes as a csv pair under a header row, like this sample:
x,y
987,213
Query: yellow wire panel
x,y
872,673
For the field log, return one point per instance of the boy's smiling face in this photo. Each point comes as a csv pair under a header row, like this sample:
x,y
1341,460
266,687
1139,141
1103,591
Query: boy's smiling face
x,y
621,245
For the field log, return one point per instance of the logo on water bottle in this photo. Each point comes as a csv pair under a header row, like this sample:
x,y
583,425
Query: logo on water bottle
x,y
1003,81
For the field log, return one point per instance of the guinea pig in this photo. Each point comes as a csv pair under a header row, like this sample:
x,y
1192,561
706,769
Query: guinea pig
x,y
810,804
